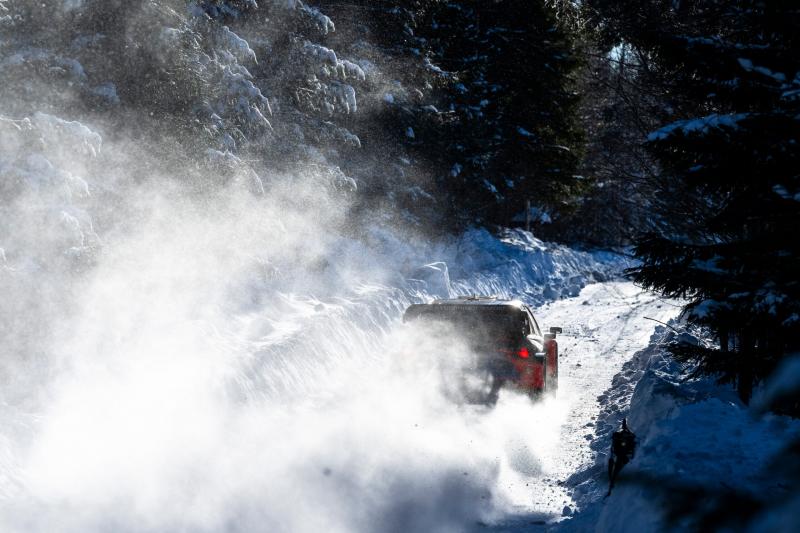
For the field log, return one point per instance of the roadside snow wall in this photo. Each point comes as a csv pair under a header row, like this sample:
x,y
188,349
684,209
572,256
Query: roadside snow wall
x,y
690,434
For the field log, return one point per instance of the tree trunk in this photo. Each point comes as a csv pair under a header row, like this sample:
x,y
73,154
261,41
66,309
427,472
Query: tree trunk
x,y
744,379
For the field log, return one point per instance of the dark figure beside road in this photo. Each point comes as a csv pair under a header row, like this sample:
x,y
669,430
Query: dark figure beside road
x,y
623,446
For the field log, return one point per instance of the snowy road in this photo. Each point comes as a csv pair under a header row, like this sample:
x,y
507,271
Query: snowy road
x,y
372,447
603,327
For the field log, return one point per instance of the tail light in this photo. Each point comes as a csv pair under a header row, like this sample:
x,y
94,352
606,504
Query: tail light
x,y
522,353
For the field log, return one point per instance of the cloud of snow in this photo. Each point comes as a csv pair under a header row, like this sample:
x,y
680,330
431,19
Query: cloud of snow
x,y
191,345
197,355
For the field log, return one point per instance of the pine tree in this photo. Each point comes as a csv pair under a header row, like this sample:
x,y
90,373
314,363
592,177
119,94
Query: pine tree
x,y
400,128
730,191
512,132
617,110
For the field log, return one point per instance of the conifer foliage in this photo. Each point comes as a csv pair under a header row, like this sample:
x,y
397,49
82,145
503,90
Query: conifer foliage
x,y
730,192
443,114
512,133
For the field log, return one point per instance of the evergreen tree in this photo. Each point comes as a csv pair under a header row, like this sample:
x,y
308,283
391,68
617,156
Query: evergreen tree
x,y
401,123
618,109
730,191
511,130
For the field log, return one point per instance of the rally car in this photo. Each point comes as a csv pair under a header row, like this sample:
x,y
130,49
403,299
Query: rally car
x,y
506,344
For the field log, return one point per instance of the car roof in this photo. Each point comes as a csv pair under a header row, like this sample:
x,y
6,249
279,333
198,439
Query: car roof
x,y
479,301
487,304
468,306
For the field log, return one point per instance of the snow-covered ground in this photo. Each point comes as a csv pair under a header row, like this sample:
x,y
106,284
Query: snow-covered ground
x,y
234,362
695,436
603,327
317,410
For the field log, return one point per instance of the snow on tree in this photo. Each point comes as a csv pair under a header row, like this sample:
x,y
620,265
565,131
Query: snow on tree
x,y
729,159
43,189
278,85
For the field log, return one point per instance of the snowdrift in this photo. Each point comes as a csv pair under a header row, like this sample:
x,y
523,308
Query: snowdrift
x,y
693,436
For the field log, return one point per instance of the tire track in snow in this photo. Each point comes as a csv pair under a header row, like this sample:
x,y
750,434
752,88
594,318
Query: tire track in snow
x,y
603,327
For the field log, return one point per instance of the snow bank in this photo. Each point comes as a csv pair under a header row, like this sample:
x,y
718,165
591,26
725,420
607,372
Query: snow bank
x,y
691,434
518,265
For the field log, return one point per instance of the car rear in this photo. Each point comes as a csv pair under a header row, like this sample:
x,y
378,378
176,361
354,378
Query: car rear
x,y
497,332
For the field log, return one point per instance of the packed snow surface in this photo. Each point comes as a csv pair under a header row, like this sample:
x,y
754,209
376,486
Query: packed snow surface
x,y
603,327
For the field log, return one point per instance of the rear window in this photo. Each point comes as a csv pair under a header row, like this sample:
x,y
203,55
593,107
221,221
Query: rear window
x,y
479,322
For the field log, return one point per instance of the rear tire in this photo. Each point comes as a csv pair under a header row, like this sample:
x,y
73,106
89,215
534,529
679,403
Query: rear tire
x,y
480,386
535,395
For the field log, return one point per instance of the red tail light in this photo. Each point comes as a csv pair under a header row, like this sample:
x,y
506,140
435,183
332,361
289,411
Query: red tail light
x,y
522,353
